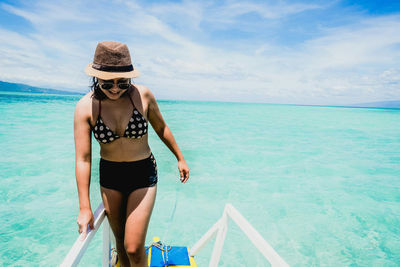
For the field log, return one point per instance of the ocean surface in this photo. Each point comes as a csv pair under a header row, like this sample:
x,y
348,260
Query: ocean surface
x,y
320,184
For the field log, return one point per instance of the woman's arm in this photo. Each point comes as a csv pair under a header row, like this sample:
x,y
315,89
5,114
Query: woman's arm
x,y
165,134
83,160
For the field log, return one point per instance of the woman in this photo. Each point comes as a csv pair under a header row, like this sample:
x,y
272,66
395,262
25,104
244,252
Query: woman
x,y
118,114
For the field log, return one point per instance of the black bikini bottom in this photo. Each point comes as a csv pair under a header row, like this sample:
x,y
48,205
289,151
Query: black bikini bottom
x,y
128,176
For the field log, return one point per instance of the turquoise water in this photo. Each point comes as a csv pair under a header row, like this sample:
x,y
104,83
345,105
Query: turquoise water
x,y
320,184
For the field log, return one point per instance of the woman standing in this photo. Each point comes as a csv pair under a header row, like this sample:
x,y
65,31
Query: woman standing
x,y
118,112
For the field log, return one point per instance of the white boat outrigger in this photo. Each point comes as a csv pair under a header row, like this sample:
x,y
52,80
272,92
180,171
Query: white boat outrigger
x,y
219,230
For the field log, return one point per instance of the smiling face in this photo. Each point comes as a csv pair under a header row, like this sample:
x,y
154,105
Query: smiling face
x,y
113,89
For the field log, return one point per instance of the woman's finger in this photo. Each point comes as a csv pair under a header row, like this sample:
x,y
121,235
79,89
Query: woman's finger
x,y
186,176
181,174
91,223
84,228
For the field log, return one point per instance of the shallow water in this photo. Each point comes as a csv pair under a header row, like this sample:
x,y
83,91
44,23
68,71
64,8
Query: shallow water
x,y
320,184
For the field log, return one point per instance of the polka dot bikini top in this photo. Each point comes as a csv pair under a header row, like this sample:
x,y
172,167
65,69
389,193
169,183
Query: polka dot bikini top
x,y
136,128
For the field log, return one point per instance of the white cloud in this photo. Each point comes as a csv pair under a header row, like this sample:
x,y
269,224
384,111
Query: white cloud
x,y
269,11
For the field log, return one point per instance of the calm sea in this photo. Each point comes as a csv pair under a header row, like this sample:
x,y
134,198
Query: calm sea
x,y
320,184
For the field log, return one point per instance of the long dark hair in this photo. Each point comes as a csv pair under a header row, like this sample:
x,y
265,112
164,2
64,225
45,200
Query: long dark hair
x,y
96,91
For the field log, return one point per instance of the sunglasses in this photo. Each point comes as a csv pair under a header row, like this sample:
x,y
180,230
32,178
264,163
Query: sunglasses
x,y
107,85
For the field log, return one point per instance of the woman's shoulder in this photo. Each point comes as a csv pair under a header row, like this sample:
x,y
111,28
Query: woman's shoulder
x,y
142,88
144,91
84,105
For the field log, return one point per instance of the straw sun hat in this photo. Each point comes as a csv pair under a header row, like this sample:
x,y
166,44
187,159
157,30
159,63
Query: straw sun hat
x,y
111,60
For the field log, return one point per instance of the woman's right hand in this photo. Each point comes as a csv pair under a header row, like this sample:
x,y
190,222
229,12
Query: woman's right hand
x,y
85,218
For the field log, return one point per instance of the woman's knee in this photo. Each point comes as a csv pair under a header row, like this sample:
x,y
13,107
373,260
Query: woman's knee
x,y
135,251
119,239
119,233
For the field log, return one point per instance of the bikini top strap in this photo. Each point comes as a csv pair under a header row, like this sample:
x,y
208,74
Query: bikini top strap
x,y
99,107
131,100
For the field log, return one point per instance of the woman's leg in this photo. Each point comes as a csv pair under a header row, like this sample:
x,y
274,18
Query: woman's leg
x,y
115,206
139,207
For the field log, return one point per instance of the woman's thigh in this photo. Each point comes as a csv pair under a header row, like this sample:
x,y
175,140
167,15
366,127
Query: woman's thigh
x,y
140,204
115,206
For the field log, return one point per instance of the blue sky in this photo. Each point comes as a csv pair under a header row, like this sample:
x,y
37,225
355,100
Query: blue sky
x,y
304,52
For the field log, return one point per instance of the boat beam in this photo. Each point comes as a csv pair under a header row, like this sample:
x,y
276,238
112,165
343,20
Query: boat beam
x,y
220,228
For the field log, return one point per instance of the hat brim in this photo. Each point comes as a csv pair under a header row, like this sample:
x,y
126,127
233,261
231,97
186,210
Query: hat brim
x,y
105,75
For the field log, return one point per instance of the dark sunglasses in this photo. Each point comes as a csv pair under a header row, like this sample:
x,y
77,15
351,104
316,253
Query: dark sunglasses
x,y
110,84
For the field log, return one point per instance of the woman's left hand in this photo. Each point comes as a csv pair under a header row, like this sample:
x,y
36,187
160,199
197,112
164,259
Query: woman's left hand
x,y
183,170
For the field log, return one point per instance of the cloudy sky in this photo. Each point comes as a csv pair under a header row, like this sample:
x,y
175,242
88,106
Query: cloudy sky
x,y
310,52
